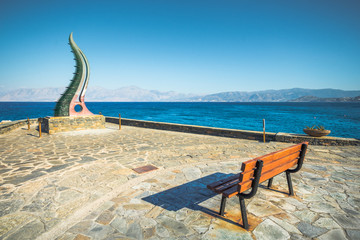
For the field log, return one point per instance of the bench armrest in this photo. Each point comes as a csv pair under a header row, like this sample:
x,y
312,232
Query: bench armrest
x,y
301,159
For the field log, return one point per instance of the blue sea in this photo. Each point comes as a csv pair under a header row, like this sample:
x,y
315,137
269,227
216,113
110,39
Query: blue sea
x,y
343,119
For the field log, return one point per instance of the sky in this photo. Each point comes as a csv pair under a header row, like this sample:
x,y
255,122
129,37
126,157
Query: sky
x,y
194,46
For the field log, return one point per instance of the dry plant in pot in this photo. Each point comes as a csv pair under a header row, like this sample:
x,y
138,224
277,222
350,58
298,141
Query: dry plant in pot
x,y
316,131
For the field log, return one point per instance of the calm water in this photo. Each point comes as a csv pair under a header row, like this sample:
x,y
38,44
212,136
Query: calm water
x,y
343,119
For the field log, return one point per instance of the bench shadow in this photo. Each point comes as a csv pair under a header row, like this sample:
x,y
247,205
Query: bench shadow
x,y
189,195
33,135
273,188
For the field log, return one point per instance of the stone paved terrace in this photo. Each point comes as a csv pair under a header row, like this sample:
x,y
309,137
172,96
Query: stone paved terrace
x,y
80,185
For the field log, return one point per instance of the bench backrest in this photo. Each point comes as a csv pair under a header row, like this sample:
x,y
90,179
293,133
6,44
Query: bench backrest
x,y
273,164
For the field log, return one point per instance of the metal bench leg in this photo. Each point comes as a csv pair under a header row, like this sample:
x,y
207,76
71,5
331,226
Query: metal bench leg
x,y
222,205
288,178
270,182
243,213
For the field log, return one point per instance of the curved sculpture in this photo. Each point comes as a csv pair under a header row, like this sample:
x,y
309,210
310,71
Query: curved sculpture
x,y
72,103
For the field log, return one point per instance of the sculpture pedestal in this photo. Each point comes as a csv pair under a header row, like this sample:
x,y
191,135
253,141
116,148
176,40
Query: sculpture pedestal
x,y
65,124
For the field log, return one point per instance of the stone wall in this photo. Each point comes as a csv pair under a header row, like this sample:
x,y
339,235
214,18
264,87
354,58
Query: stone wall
x,y
98,121
9,126
222,132
327,140
243,134
64,124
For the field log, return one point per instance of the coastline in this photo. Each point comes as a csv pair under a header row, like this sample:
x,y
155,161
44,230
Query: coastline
x,y
220,132
342,119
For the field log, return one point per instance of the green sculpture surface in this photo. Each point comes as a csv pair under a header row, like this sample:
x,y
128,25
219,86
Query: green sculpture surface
x,y
71,102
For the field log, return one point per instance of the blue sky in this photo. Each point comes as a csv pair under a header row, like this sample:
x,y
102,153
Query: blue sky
x,y
185,46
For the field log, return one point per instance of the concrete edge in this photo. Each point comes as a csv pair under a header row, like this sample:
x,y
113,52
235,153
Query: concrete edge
x,y
220,132
234,133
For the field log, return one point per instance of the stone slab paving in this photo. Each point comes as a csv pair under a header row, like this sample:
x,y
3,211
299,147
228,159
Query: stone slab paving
x,y
80,185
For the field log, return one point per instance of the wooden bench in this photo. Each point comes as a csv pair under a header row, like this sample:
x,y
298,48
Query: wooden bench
x,y
256,171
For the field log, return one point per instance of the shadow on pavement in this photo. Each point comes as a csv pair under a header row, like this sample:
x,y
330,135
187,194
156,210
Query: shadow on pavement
x,y
189,195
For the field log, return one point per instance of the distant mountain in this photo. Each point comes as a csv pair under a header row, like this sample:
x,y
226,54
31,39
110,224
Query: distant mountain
x,y
133,94
316,99
31,95
283,95
93,94
136,94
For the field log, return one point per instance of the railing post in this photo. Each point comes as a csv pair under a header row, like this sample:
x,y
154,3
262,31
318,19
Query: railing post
x,y
40,120
28,122
119,121
264,129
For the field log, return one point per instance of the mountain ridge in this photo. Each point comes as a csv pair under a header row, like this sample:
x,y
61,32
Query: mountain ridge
x,y
282,95
317,99
136,94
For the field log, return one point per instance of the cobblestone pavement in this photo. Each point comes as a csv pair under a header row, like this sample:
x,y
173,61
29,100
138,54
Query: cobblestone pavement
x,y
80,185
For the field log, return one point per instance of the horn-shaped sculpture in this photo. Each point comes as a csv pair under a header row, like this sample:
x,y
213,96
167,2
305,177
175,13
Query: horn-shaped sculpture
x,y
71,103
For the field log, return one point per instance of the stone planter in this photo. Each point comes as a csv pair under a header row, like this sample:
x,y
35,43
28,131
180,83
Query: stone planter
x,y
316,132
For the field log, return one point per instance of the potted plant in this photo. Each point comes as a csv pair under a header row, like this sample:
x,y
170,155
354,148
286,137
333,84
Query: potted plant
x,y
316,131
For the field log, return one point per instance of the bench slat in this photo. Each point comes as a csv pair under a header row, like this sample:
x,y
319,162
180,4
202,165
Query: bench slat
x,y
250,164
242,187
233,191
226,186
247,175
213,185
273,172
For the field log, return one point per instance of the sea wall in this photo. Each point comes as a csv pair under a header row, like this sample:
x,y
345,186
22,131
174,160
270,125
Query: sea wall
x,y
9,126
233,133
221,132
